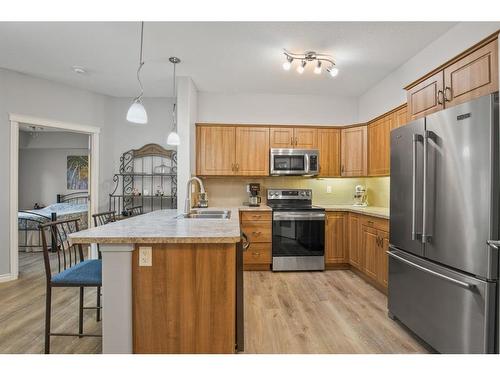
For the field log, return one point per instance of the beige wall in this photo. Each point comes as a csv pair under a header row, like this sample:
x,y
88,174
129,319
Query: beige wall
x,y
231,191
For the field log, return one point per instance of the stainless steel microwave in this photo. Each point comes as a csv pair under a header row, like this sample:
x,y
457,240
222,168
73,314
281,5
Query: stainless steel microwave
x,y
294,162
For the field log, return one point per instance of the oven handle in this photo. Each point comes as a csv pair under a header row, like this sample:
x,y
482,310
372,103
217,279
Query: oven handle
x,y
297,216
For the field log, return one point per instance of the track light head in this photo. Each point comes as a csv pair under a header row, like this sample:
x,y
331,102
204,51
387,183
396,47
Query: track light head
x,y
301,67
288,63
317,68
333,70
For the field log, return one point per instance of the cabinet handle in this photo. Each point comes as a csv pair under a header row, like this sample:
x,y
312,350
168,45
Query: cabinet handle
x,y
257,216
342,169
440,95
296,141
237,166
448,89
370,222
256,233
256,253
291,141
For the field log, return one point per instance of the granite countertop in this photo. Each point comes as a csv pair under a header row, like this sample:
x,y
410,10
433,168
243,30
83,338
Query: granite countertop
x,y
163,227
381,212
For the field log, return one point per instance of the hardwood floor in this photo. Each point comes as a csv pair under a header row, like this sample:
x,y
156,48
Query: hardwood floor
x,y
313,312
22,313
319,312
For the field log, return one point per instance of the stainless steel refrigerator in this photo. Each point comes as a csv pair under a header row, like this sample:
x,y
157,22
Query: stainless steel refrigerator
x,y
444,227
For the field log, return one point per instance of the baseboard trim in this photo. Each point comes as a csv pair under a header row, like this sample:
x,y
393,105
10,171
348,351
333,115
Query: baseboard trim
x,y
337,266
7,277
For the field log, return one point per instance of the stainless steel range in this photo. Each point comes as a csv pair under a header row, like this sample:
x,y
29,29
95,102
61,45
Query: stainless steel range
x,y
298,231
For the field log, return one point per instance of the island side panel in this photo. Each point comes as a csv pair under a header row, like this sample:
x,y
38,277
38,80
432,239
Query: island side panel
x,y
186,301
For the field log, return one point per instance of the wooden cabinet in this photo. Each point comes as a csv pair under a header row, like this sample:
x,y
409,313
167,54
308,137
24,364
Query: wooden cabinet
x,y
369,244
426,97
379,142
472,74
281,137
336,251
354,241
306,137
354,151
383,258
232,151
257,226
400,117
216,150
252,151
329,152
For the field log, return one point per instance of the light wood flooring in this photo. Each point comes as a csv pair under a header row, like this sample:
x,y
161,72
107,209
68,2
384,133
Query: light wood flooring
x,y
313,312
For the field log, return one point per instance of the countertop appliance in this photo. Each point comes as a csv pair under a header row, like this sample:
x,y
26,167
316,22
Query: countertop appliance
x,y
298,231
444,227
360,198
294,162
253,190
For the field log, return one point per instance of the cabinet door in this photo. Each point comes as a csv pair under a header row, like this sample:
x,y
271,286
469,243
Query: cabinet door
x,y
400,118
379,146
383,259
329,152
281,137
473,76
252,151
355,254
335,238
426,97
305,137
216,150
354,151
369,245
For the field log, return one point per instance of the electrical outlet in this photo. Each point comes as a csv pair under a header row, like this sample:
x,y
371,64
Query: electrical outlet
x,y
145,256
328,189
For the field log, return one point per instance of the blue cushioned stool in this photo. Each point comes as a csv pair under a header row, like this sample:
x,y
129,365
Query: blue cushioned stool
x,y
72,271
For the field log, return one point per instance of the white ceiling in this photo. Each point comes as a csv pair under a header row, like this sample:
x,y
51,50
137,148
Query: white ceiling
x,y
229,57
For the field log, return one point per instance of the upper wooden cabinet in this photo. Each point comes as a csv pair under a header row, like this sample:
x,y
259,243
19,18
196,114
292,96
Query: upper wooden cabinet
x,y
306,137
379,141
232,151
252,151
336,250
473,76
329,152
469,75
354,151
426,97
400,117
216,151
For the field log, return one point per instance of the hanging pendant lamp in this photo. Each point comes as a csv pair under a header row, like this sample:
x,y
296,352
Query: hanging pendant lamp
x,y
173,138
137,113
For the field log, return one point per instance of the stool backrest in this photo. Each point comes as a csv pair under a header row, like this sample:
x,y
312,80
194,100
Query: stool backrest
x,y
136,210
67,255
102,218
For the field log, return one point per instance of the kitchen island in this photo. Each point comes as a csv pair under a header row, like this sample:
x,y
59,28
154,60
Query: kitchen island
x,y
170,284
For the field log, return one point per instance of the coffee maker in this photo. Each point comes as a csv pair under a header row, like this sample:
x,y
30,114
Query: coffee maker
x,y
253,190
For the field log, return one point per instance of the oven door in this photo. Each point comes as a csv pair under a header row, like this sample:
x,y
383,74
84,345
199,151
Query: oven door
x,y
288,162
298,240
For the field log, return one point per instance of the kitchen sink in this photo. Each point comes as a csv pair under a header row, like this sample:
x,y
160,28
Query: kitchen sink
x,y
206,214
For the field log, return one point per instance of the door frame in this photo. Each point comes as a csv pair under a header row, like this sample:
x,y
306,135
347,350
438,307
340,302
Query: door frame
x,y
15,120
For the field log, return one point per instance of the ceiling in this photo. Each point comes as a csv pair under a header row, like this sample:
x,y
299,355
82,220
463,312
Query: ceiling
x,y
224,57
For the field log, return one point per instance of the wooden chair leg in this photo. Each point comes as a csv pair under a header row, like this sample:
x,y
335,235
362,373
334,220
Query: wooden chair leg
x,y
98,317
48,305
80,317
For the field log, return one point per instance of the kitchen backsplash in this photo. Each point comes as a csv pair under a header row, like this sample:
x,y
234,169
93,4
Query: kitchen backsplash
x,y
231,191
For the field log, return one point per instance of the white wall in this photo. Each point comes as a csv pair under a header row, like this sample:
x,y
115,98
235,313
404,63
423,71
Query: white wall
x,y
389,92
276,109
42,175
53,139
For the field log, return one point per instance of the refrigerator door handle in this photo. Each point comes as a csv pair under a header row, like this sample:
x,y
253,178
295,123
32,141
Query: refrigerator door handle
x,y
437,274
425,236
495,244
416,138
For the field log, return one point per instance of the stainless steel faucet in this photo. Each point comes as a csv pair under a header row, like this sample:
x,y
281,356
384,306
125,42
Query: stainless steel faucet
x,y
187,205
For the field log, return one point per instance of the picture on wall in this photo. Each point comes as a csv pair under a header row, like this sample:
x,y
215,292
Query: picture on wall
x,y
77,172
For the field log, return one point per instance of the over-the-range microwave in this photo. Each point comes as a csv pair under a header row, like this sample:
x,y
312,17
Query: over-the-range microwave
x,y
294,162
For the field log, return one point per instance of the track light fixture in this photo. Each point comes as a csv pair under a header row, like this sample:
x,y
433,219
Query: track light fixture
x,y
310,56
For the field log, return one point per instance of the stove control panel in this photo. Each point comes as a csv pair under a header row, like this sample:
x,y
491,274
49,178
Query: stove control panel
x,y
300,194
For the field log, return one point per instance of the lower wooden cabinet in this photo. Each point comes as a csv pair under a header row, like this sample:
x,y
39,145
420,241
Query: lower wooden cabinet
x,y
369,244
336,251
257,226
354,241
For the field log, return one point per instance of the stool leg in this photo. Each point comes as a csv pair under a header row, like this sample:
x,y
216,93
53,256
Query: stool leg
x,y
80,317
98,318
48,300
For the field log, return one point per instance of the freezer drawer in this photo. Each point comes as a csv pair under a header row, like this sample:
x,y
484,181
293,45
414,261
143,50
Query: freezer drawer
x,y
452,312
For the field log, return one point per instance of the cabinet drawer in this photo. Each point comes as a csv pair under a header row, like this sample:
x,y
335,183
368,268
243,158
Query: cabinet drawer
x,y
257,231
375,222
258,253
256,216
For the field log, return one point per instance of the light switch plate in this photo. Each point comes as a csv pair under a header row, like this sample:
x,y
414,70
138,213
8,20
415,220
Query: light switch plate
x,y
145,256
328,189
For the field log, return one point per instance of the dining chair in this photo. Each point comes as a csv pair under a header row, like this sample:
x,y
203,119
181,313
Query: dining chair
x,y
72,271
135,210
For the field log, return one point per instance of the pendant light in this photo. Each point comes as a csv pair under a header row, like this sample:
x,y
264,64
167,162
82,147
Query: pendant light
x,y
173,138
137,113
